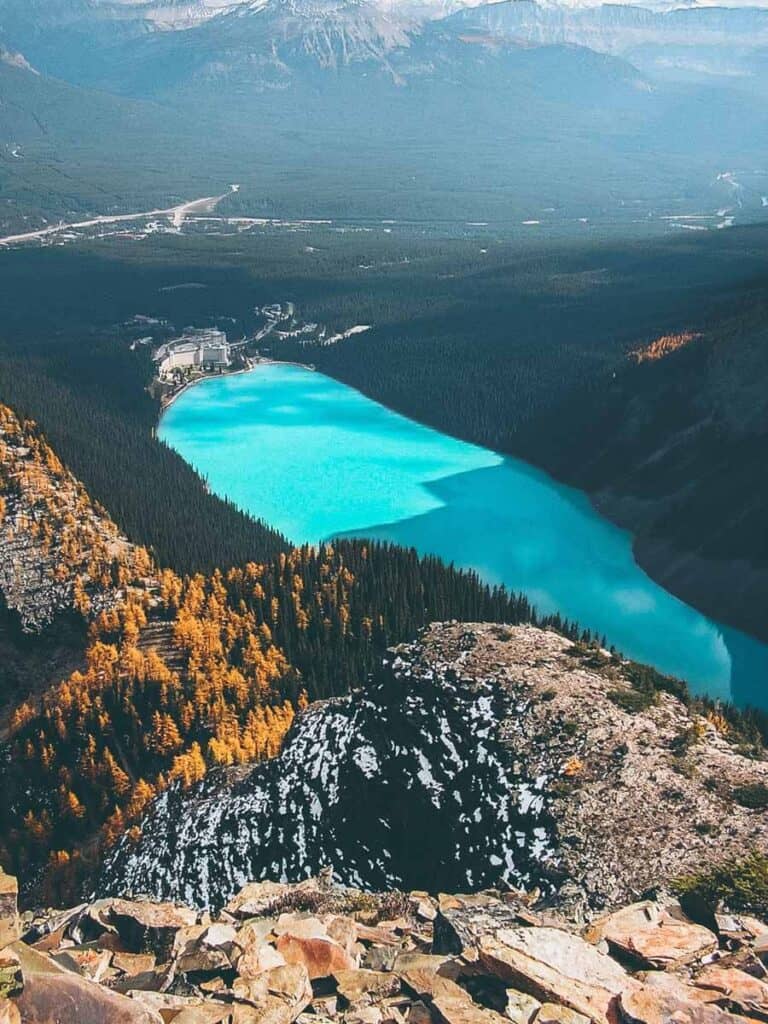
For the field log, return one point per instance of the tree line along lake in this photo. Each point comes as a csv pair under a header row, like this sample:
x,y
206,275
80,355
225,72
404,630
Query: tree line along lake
x,y
317,459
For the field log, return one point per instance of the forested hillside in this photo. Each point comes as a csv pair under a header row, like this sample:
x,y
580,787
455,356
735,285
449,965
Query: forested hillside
x,y
180,674
499,343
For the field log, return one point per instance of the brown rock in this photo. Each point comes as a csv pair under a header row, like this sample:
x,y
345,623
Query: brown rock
x,y
203,948
732,988
555,966
321,957
9,1012
376,936
408,960
379,958
278,996
91,963
666,1000
204,1013
761,947
361,988
149,927
133,963
300,926
257,959
365,1015
9,911
654,936
52,995
165,1004
452,1005
419,1014
552,1013
344,931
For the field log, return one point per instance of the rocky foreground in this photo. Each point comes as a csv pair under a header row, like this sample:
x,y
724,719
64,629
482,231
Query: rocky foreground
x,y
479,754
318,954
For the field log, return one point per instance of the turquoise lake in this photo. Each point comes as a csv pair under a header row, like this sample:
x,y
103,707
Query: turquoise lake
x,y
317,459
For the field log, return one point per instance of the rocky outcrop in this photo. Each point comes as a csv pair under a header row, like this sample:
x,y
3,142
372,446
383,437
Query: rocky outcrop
x,y
317,953
480,754
58,550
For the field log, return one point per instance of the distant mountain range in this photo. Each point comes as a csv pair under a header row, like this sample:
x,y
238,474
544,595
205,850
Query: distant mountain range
x,y
512,107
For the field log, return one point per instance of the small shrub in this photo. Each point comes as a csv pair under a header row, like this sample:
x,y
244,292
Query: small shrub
x,y
754,796
741,885
686,739
633,700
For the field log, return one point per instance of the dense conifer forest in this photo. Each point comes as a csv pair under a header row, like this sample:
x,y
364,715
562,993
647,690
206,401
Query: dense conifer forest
x,y
498,342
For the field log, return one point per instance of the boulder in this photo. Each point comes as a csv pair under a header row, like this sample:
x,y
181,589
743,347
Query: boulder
x,y
204,1013
258,958
344,931
362,988
301,926
9,909
9,1012
52,995
203,948
11,978
419,1014
555,966
365,1015
521,1008
552,1013
91,963
732,988
321,957
165,1004
257,898
664,999
452,1005
148,927
376,935
133,963
277,996
653,936
461,921
407,960
380,959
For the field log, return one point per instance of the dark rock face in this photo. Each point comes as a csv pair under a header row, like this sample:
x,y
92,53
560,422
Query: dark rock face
x,y
402,784
480,753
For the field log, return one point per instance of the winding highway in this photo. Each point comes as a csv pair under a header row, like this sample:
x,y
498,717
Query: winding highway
x,y
176,214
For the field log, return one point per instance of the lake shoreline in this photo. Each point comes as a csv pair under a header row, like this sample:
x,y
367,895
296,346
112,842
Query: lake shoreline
x,y
330,458
167,401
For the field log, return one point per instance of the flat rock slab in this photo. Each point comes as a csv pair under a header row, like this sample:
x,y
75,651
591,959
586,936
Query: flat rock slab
x,y
728,985
654,936
555,966
321,957
662,1004
52,995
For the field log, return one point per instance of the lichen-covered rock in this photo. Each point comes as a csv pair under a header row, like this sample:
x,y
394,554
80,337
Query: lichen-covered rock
x,y
9,912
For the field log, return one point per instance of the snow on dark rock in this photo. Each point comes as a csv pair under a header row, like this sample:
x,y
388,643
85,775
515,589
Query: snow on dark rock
x,y
402,784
